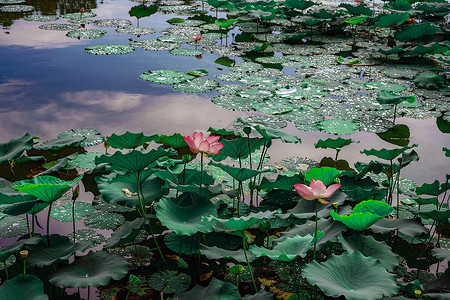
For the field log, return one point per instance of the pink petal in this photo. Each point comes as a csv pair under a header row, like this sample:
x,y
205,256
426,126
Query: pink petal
x,y
204,146
305,191
191,143
213,139
214,148
318,187
330,190
322,201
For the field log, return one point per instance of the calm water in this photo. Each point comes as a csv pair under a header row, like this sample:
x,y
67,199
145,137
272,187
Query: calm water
x,y
48,84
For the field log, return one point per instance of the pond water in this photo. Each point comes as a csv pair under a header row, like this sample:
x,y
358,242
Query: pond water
x,y
48,84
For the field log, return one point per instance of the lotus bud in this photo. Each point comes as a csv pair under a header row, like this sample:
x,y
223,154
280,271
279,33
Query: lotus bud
x,y
76,193
105,144
247,130
418,294
24,254
389,172
186,158
237,269
264,225
82,10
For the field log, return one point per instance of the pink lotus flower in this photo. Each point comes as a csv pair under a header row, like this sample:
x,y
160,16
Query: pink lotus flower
x,y
316,190
197,38
82,10
197,143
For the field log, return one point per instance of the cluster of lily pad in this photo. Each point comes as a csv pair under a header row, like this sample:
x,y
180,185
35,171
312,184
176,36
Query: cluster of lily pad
x,y
179,224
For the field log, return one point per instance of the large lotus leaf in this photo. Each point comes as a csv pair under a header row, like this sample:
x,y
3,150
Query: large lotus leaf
x,y
432,189
197,85
126,234
14,148
261,295
64,213
357,221
141,11
387,154
440,216
387,97
183,215
19,244
166,76
238,148
441,254
336,144
134,160
273,133
325,174
58,144
398,135
284,181
243,223
94,269
298,4
23,287
352,275
376,207
360,194
220,253
240,174
388,20
289,249
83,161
169,282
336,126
370,247
180,243
428,80
185,177
92,136
12,226
46,188
104,220
15,203
383,85
216,289
89,237
60,248
416,31
116,191
129,140
399,5
175,140
361,9
421,50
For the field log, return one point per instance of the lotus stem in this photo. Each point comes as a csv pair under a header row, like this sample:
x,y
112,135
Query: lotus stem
x,y
315,232
237,282
48,223
28,226
73,219
6,270
201,174
137,252
248,264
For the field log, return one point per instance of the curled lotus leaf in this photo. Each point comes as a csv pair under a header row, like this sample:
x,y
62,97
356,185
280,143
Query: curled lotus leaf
x,y
357,221
94,269
112,23
166,76
15,147
109,49
220,253
136,30
83,34
352,275
197,85
16,8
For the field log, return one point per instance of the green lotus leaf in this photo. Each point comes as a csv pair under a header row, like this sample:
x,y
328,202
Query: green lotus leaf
x,y
399,5
16,8
109,49
225,23
428,80
394,50
300,92
197,85
240,174
298,4
284,181
233,102
360,9
441,254
199,72
88,237
92,136
130,177
18,245
273,106
15,203
352,275
126,234
7,260
94,269
245,67
58,144
141,11
335,126
376,207
216,3
360,194
83,34
159,76
398,135
83,161
14,148
136,31
355,21
169,282
243,223
387,97
370,247
216,289
166,76
60,248
440,216
186,52
185,177
104,220
357,221
325,174
183,215
421,50
46,188
336,144
381,85
324,14
446,151
23,287
238,148
433,189
416,31
387,154
273,133
64,213
289,249
129,140
134,160
387,20
220,253
180,243
37,18
12,226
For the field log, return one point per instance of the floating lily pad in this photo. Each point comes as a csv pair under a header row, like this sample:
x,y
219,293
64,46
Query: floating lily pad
x,y
112,23
16,8
267,121
78,15
64,213
257,80
335,126
104,220
233,76
82,34
381,85
233,102
109,49
11,1
170,282
87,236
274,106
136,30
197,85
186,52
245,67
255,94
60,27
166,76
39,18
299,92
155,45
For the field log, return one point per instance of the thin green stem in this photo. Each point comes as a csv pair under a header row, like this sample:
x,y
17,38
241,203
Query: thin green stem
x,y
315,231
201,174
246,259
6,270
48,223
73,219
